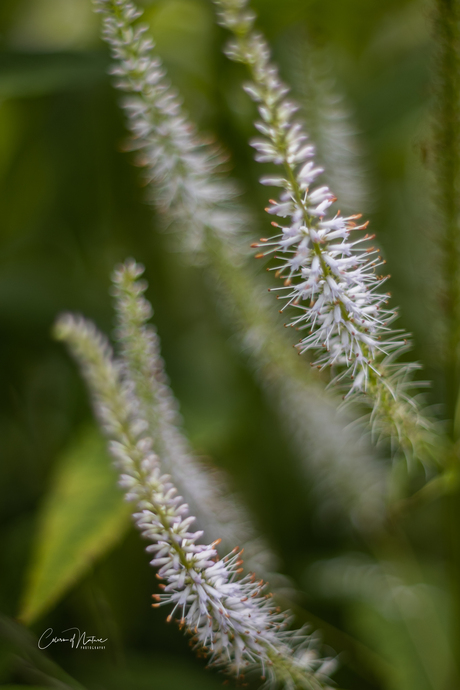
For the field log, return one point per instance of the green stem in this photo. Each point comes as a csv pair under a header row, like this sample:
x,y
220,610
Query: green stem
x,y
395,554
447,169
447,141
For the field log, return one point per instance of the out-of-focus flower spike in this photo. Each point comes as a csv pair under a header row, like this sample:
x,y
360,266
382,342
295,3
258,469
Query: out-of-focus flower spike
x,y
330,123
217,510
182,165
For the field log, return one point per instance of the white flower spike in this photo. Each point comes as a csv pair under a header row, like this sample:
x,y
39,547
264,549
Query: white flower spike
x,y
230,618
218,512
329,278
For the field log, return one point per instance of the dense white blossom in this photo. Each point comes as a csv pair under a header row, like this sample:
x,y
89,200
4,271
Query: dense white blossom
x,y
329,272
230,617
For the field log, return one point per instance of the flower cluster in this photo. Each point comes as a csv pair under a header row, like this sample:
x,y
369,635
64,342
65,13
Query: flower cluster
x,y
183,167
230,619
177,163
188,190
329,279
217,511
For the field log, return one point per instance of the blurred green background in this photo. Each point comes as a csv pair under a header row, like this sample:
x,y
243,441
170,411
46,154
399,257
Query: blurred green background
x,y
71,206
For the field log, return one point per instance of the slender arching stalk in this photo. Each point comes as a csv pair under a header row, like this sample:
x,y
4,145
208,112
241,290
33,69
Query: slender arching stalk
x,y
447,190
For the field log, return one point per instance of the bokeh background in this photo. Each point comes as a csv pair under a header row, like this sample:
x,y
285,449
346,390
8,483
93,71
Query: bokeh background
x,y
72,206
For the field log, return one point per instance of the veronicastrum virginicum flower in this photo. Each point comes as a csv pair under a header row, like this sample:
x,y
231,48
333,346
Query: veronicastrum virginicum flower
x,y
328,278
188,190
231,619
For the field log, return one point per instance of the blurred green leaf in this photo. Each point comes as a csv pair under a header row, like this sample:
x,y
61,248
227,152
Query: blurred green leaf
x,y
36,74
29,662
82,517
390,638
414,644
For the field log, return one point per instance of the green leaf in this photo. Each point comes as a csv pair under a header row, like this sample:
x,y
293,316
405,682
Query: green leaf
x,y
82,517
30,660
417,660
